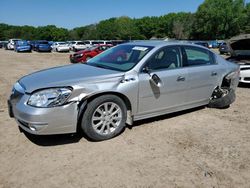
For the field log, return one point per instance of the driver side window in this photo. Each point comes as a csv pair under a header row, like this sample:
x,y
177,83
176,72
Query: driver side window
x,y
165,58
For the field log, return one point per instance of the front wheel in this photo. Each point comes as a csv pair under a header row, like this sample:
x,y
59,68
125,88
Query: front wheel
x,y
104,118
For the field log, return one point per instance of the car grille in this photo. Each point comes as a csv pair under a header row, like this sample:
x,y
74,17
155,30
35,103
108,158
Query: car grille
x,y
247,78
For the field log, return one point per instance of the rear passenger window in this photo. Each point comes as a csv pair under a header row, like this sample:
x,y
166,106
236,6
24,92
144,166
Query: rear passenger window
x,y
193,56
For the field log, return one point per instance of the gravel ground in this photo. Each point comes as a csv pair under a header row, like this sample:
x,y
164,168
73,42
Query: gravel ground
x,y
202,147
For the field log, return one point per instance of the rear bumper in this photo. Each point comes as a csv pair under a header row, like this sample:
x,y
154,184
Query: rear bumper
x,y
41,49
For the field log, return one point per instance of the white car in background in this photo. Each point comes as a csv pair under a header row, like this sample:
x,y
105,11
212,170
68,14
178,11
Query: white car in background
x,y
245,73
240,53
10,45
60,47
78,45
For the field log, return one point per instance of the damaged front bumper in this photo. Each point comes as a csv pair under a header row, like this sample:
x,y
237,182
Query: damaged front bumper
x,y
42,121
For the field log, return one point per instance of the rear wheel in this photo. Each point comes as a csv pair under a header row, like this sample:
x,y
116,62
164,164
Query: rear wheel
x,y
222,98
104,118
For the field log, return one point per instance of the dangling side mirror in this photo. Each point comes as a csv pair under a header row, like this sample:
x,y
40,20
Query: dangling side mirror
x,y
154,79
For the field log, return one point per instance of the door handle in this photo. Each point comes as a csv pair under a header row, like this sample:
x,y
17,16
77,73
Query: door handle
x,y
180,79
214,73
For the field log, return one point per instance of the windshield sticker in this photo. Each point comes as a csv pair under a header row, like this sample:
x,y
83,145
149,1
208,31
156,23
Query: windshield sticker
x,y
140,48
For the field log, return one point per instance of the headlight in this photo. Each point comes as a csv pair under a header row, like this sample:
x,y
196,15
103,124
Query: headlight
x,y
49,97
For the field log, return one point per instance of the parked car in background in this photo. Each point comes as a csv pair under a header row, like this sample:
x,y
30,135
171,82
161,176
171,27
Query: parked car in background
x,y
245,72
31,43
85,55
224,49
202,43
60,47
101,42
70,43
153,78
88,43
78,45
51,42
11,43
239,47
213,44
117,42
22,46
42,46
3,44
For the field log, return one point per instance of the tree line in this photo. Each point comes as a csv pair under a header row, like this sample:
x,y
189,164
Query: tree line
x,y
213,20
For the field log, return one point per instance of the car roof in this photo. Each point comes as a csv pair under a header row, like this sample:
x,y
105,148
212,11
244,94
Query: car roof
x,y
160,43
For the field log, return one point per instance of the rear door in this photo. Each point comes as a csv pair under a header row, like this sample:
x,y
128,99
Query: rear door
x,y
203,73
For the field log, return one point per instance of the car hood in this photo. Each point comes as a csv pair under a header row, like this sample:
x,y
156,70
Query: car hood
x,y
68,75
240,46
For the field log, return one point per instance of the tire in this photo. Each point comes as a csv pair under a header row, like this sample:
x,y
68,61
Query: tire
x,y
224,101
104,118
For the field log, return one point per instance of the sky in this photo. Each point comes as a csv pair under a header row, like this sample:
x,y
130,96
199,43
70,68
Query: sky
x,y
76,13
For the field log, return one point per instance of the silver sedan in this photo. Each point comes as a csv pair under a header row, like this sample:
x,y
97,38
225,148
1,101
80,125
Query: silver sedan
x,y
129,82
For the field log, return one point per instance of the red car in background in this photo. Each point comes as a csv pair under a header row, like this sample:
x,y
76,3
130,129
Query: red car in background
x,y
84,55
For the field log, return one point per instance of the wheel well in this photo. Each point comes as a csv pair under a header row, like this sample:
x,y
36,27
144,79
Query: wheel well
x,y
220,89
82,105
123,97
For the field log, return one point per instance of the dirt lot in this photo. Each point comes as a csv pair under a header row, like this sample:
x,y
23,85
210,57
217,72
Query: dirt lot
x,y
197,148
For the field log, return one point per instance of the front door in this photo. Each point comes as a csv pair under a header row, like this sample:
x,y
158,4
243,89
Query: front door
x,y
171,89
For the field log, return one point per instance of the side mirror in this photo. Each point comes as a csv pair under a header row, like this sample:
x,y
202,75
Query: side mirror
x,y
154,79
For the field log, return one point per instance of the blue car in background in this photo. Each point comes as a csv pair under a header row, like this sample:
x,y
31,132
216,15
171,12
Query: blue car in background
x,y
42,46
22,46
214,44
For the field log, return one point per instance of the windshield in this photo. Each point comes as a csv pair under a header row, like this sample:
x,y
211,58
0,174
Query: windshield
x,y
22,42
62,43
120,58
80,43
43,42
